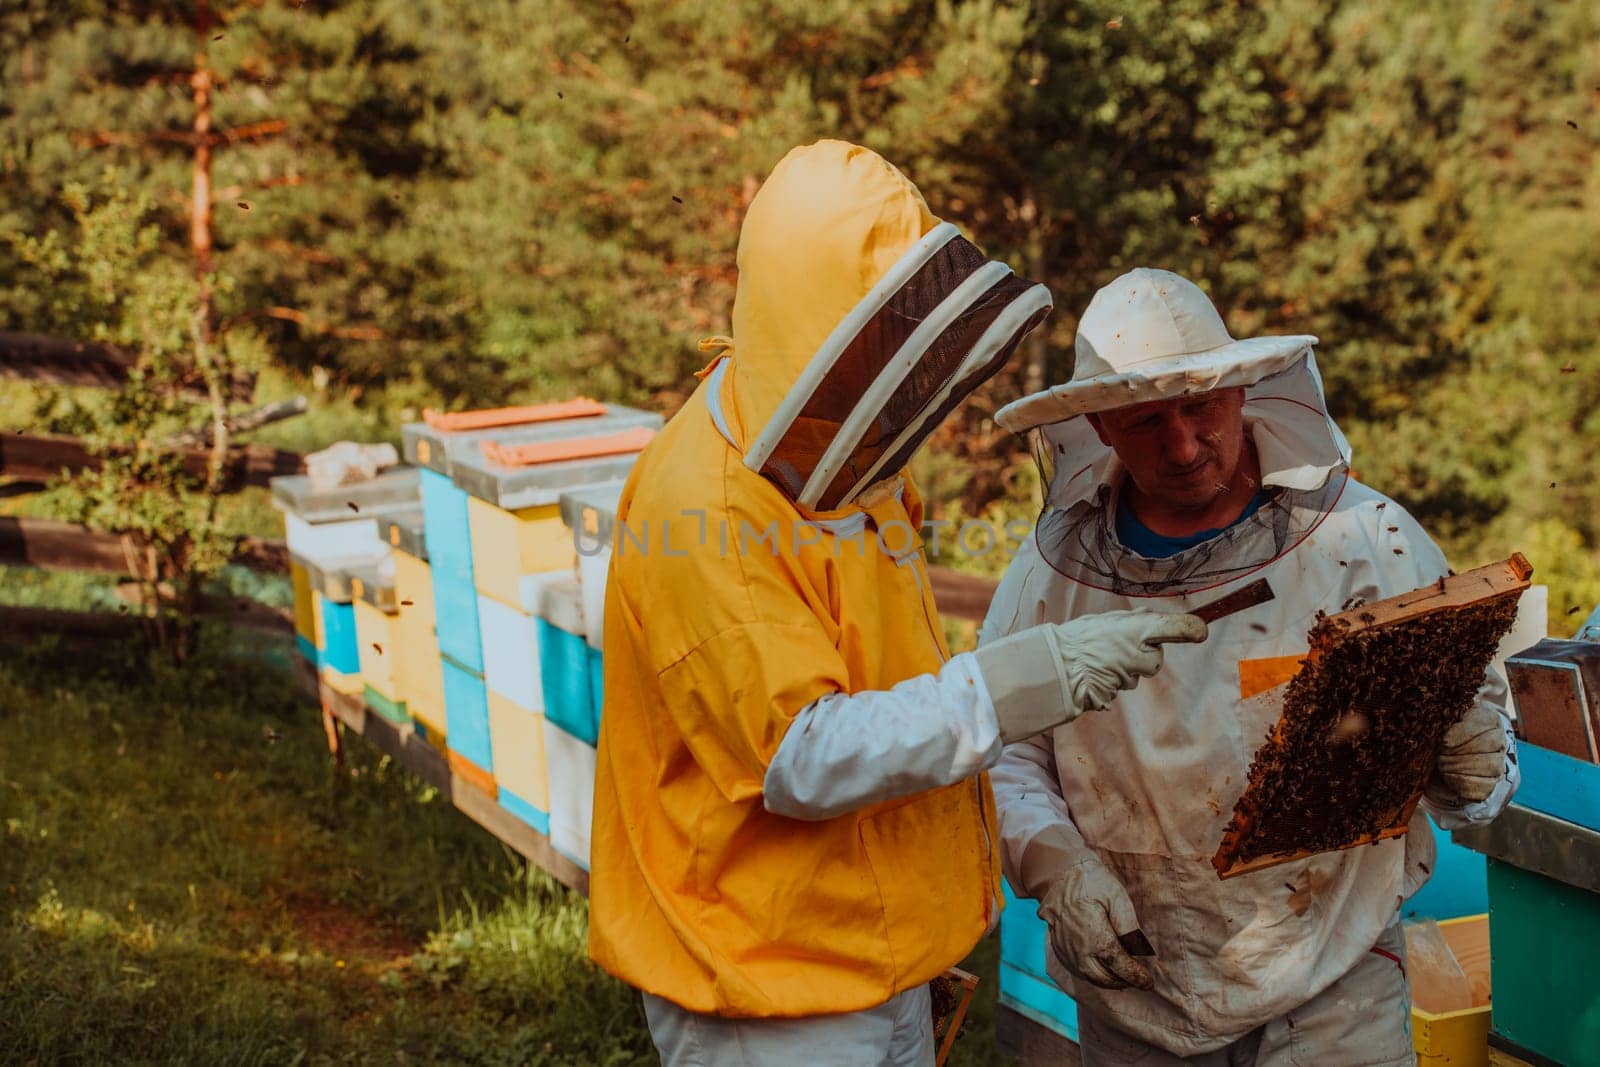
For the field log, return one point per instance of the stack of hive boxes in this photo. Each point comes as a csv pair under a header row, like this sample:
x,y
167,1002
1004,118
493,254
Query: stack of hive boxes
x,y
571,629
332,535
506,594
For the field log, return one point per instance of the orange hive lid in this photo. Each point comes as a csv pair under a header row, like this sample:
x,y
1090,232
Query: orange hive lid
x,y
528,455
581,407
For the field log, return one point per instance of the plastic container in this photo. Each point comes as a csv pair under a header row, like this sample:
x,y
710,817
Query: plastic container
x,y
590,514
1438,984
571,762
1458,1038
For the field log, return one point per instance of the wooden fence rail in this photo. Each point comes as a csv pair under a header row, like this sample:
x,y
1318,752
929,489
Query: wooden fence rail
x,y
54,545
40,457
65,546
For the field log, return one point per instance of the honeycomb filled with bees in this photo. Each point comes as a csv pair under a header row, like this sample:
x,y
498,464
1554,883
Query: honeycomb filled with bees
x,y
1364,718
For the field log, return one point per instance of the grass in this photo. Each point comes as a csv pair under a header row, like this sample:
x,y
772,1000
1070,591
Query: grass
x,y
183,879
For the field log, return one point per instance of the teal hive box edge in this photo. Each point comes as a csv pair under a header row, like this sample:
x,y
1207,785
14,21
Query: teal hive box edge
x,y
568,693
1039,1000
1559,785
455,611
466,715
1458,886
445,526
1025,986
339,648
394,711
539,820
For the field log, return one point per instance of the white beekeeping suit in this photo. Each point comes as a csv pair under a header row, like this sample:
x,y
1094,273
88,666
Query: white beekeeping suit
x,y
1147,787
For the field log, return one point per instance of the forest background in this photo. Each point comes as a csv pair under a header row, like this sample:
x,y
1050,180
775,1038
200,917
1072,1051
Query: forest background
x,y
435,203
417,203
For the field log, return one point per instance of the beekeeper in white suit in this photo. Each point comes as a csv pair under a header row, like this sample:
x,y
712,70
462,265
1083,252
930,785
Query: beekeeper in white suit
x,y
1182,464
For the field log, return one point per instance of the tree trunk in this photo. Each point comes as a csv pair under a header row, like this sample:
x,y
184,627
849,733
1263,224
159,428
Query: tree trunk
x,y
1035,348
212,369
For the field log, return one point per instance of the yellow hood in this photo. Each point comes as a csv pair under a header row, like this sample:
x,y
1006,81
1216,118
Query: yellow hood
x,y
827,224
860,323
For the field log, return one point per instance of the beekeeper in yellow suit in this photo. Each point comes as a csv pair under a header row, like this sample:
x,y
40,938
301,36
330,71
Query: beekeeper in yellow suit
x,y
792,831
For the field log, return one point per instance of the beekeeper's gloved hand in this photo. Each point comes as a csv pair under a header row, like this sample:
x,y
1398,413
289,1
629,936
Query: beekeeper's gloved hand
x,y
1472,759
1052,673
1087,909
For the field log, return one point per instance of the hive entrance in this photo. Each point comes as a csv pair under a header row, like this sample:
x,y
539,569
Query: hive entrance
x,y
1364,717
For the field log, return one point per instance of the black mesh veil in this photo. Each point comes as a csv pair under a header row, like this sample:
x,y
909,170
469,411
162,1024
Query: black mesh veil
x,y
1305,467
950,327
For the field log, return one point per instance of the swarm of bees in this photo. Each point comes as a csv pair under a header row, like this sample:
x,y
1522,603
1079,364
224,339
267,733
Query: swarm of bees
x,y
1361,726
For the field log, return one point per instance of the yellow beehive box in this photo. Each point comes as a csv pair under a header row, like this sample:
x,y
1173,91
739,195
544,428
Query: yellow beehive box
x,y
516,736
1459,1038
422,681
418,673
305,612
375,632
510,545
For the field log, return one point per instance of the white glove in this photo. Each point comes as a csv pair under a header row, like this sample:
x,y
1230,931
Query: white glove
x,y
1087,909
1052,673
1472,759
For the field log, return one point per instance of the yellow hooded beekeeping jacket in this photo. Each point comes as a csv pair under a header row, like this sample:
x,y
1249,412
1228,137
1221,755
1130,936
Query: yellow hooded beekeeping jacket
x,y
716,636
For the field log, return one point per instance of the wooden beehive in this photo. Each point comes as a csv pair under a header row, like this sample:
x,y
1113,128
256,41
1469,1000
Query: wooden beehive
x,y
1364,716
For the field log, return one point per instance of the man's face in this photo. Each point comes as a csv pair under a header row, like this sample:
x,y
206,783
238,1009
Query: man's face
x,y
1185,452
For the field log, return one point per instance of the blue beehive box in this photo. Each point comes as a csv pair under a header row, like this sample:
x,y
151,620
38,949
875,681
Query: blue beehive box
x,y
466,711
1024,985
444,523
564,662
339,649
1559,785
455,607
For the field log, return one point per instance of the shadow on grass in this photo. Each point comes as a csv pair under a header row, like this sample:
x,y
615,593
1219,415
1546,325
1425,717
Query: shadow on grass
x,y
184,879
